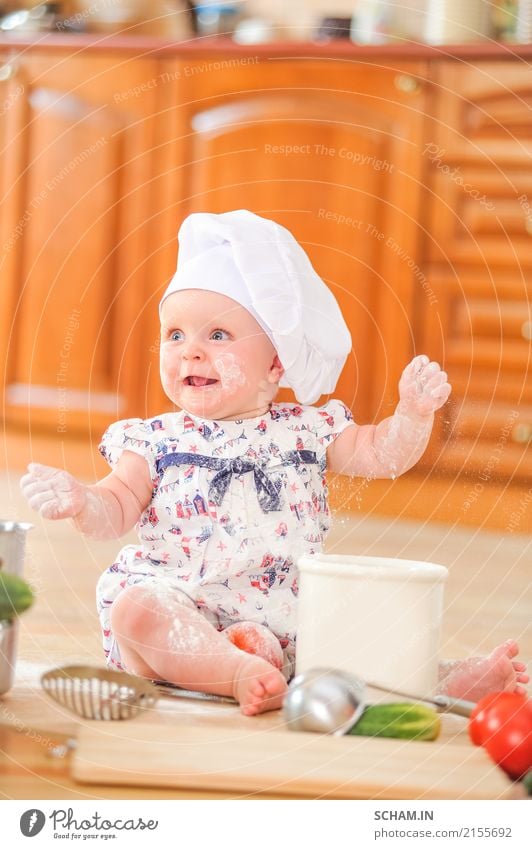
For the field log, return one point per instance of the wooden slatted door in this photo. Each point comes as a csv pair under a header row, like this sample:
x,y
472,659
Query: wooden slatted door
x,y
478,257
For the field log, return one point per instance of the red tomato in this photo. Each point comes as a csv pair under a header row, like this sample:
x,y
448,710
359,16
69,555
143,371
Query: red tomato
x,y
477,720
255,639
502,723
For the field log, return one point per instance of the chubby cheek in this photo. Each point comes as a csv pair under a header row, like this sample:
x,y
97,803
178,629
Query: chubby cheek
x,y
168,372
231,373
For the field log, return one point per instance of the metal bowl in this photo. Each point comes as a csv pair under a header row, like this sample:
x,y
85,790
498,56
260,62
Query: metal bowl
x,y
8,654
327,701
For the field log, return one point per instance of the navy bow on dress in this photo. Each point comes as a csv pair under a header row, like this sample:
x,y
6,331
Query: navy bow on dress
x,y
268,490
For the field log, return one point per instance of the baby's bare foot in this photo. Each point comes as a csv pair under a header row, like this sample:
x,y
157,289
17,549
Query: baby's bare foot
x,y
473,677
256,639
258,686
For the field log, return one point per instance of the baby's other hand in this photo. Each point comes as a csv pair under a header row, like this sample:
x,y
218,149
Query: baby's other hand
x,y
53,493
423,387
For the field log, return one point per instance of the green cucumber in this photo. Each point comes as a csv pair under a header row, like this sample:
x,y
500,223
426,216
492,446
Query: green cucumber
x,y
527,782
408,720
15,596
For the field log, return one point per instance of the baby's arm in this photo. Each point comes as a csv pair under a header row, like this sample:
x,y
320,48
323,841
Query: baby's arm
x,y
396,444
105,510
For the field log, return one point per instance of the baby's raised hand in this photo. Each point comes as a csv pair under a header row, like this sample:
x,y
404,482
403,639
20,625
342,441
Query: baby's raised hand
x,y
423,387
54,493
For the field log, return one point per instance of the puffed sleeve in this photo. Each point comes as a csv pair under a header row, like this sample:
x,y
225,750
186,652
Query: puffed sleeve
x,y
134,435
330,421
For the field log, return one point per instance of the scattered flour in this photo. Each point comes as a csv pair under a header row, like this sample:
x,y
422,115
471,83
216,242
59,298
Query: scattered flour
x,y
230,370
185,638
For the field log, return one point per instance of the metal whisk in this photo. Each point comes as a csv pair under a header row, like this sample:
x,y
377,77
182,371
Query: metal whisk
x,y
99,693
96,693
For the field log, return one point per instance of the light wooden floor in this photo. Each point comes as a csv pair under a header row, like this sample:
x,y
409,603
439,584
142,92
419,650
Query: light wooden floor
x,y
488,598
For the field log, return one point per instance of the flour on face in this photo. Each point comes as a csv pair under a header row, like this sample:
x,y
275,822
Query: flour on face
x,y
232,375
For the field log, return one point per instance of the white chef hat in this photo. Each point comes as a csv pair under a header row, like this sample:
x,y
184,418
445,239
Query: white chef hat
x,y
259,264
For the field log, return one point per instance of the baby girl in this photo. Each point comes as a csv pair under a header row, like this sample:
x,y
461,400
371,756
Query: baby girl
x,y
227,492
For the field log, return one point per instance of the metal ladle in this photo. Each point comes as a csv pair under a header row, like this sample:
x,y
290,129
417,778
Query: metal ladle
x,y
330,701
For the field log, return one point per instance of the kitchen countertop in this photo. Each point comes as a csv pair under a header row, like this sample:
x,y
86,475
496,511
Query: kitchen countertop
x,y
32,725
344,50
32,768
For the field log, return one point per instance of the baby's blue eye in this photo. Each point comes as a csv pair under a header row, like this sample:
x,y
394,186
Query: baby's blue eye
x,y
176,336
219,335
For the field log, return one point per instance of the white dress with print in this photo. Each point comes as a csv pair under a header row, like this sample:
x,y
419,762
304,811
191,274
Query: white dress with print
x,y
234,504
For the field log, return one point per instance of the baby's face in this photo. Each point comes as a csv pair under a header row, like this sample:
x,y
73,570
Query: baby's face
x,y
216,361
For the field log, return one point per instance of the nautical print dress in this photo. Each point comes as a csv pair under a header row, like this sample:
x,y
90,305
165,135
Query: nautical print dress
x,y
235,503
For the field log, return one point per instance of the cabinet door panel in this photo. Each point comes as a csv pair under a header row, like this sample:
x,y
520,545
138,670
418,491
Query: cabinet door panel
x,y
303,184
483,112
69,243
335,158
77,202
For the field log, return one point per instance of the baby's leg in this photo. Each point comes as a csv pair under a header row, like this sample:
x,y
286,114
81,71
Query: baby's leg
x,y
160,637
473,677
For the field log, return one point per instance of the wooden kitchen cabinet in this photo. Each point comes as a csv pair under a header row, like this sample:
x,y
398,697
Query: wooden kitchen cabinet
x,y
405,177
478,261
104,158
75,166
331,153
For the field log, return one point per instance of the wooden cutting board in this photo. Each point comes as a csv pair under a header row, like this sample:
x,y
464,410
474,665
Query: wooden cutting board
x,y
283,762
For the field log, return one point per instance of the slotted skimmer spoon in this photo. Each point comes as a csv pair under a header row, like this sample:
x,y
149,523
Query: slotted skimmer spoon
x,y
95,693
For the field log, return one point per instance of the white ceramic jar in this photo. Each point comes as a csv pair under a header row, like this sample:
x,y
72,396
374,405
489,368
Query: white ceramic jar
x,y
376,617
457,21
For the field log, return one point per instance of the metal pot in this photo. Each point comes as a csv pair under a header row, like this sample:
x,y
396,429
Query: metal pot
x,y
8,654
12,543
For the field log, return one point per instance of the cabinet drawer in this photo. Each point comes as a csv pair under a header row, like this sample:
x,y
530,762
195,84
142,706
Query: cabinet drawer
x,y
479,214
487,420
480,328
492,319
482,461
478,153
514,389
491,440
496,355
483,112
480,325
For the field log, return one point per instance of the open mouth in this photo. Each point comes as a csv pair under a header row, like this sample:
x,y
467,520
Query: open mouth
x,y
193,380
